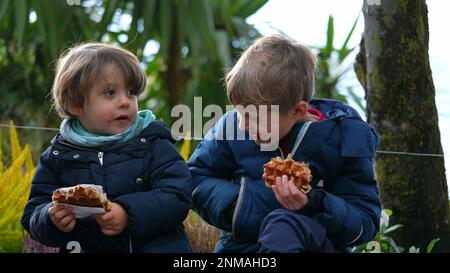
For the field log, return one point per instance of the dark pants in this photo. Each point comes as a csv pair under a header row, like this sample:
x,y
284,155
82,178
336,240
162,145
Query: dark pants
x,y
285,231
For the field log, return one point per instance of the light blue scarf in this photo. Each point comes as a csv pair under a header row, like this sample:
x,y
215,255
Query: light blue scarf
x,y
73,132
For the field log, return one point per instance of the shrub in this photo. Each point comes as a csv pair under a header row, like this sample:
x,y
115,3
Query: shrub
x,y
382,243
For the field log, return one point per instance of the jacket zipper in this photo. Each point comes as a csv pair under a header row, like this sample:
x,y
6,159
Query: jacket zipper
x,y
100,157
238,208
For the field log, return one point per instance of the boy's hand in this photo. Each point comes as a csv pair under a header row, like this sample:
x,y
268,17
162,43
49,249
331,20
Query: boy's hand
x,y
114,221
62,217
288,195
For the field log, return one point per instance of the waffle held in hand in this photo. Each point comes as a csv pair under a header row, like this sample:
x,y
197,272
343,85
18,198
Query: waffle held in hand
x,y
82,195
298,172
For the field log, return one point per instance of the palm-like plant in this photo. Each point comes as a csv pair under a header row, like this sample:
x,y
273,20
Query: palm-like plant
x,y
332,66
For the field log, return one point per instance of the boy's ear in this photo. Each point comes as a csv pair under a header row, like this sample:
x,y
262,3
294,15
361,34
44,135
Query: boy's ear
x,y
300,110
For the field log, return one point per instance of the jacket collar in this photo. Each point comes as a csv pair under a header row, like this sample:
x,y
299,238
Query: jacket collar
x,y
155,130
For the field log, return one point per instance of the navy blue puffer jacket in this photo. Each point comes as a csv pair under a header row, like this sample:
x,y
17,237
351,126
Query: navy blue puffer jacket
x,y
146,176
339,151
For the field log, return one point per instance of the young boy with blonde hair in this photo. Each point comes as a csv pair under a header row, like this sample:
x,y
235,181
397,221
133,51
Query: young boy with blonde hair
x,y
342,209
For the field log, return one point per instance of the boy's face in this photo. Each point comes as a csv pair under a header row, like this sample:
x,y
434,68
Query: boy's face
x,y
266,124
109,106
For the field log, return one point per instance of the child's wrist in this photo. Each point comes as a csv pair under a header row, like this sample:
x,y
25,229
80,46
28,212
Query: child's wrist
x,y
314,204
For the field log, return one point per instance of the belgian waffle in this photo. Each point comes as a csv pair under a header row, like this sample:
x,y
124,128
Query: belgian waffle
x,y
81,196
299,172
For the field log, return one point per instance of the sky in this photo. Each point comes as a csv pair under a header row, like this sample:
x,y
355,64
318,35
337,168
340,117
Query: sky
x,y
306,22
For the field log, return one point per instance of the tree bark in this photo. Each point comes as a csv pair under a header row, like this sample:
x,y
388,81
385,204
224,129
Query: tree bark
x,y
393,66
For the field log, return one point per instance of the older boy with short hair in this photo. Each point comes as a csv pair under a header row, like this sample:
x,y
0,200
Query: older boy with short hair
x,y
342,209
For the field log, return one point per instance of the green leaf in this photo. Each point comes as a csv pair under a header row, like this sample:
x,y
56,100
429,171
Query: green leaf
x,y
388,212
110,9
245,8
392,244
40,21
223,48
204,25
342,51
414,249
149,12
165,25
51,21
431,245
330,36
224,16
21,19
132,43
3,7
390,229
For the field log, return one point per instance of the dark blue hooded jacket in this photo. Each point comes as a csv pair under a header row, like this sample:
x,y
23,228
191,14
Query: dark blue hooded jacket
x,y
339,150
145,175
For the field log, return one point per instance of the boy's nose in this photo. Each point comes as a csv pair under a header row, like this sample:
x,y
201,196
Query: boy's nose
x,y
124,101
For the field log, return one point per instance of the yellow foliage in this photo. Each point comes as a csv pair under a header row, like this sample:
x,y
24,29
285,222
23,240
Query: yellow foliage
x,y
186,147
15,182
14,141
1,161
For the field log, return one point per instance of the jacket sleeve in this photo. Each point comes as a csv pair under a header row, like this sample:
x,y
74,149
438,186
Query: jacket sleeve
x,y
166,204
211,166
35,217
351,206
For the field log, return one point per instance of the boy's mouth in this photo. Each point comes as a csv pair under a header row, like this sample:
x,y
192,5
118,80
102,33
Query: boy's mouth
x,y
121,118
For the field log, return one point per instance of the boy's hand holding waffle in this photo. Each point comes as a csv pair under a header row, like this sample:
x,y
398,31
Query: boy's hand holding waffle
x,y
298,172
289,181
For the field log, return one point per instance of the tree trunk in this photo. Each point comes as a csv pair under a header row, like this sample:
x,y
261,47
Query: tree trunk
x,y
393,66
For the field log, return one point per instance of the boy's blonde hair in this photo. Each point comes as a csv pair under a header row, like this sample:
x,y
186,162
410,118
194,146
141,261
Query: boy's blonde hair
x,y
81,66
275,70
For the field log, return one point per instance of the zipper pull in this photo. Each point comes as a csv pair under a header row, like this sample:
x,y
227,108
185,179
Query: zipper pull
x,y
100,157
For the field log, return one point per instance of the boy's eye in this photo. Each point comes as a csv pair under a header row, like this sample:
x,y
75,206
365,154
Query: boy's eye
x,y
110,92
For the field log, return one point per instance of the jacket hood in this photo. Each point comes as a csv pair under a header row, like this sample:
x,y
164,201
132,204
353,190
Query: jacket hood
x,y
334,109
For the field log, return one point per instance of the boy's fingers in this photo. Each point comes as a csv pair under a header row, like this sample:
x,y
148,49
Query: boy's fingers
x,y
295,193
54,209
71,225
109,232
60,214
275,191
284,187
67,220
283,192
278,197
104,217
104,220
